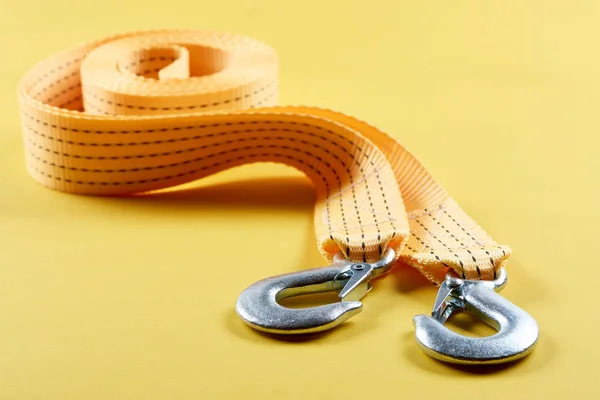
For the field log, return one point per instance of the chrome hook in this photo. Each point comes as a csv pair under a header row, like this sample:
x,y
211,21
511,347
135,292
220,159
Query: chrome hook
x,y
517,330
259,308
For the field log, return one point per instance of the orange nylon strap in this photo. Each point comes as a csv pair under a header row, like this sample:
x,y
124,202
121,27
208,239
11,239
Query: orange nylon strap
x,y
144,111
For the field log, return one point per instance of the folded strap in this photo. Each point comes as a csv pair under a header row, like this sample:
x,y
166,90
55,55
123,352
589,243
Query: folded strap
x,y
144,111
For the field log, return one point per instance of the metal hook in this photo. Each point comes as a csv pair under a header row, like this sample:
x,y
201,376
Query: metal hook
x,y
517,330
258,305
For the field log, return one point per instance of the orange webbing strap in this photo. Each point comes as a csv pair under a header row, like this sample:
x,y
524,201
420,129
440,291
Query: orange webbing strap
x,y
145,111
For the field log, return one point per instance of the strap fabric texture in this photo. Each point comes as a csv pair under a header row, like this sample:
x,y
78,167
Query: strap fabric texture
x,y
143,111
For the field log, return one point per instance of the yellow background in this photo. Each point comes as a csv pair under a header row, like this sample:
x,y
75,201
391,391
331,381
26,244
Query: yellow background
x,y
135,298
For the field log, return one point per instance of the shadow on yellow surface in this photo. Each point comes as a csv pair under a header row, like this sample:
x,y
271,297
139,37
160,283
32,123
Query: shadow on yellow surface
x,y
269,193
297,194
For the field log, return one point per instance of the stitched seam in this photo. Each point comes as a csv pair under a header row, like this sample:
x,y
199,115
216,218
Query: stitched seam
x,y
475,261
179,108
387,206
56,82
491,262
147,60
228,142
265,99
456,239
444,228
411,249
431,251
207,136
375,219
461,227
444,244
63,92
190,172
53,70
140,62
189,127
93,107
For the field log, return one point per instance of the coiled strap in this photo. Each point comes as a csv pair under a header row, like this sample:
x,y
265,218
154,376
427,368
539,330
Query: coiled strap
x,y
144,111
